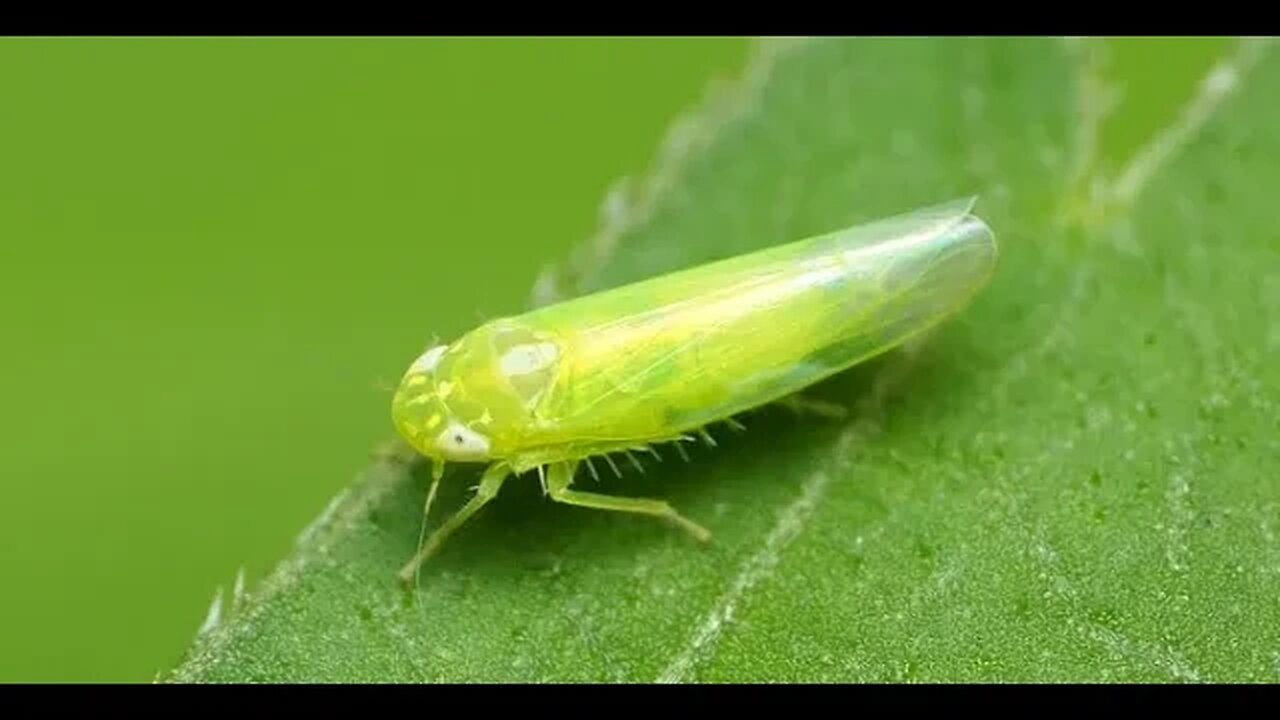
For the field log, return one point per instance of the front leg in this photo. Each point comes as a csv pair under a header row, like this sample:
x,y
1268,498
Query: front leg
x,y
560,477
490,483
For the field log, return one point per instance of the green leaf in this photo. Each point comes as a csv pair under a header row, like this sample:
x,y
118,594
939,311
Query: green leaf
x,y
1075,480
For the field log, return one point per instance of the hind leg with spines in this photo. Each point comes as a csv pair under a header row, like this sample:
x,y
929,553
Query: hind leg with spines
x,y
560,478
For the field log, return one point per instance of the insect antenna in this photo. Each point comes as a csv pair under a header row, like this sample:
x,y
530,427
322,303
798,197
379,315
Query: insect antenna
x,y
437,472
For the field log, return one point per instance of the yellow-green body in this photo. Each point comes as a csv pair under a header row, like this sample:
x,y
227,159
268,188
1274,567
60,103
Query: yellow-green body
x,y
654,361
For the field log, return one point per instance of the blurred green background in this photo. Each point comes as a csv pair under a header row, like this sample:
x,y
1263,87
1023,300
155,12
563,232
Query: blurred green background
x,y
218,254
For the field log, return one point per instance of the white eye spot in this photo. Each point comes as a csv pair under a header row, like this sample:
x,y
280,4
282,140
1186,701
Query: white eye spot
x,y
524,359
428,360
458,441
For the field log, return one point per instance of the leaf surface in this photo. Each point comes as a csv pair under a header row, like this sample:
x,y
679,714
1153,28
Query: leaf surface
x,y
1075,480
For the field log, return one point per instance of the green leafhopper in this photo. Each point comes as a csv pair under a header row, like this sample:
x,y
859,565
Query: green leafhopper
x,y
658,360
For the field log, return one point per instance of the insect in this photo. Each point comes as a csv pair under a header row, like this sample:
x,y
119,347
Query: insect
x,y
658,360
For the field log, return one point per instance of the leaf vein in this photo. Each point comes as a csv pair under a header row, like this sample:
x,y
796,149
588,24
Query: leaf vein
x,y
1061,588
1218,84
791,521
757,568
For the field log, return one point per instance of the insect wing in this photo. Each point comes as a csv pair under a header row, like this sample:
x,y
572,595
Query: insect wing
x,y
677,352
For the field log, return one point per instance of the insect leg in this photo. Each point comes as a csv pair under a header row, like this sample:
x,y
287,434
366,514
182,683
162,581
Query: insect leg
x,y
490,482
802,405
560,477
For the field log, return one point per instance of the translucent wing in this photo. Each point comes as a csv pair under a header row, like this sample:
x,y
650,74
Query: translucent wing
x,y
670,354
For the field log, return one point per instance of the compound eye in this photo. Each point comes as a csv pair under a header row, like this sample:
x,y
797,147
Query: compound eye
x,y
460,440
